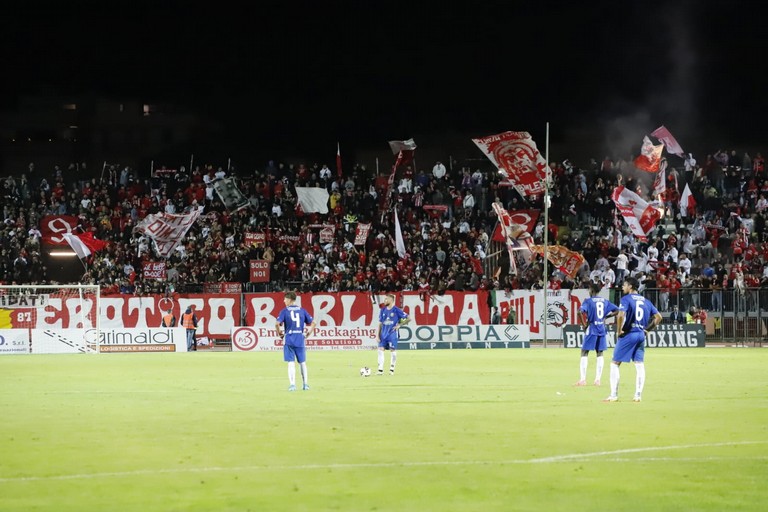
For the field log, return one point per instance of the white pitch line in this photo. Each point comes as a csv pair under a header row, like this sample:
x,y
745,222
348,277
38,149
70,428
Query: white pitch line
x,y
563,458
574,457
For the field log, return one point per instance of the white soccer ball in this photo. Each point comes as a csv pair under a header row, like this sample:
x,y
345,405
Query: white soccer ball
x,y
365,371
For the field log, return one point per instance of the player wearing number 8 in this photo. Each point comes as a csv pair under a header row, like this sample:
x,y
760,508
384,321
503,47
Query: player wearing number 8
x,y
636,316
594,310
294,319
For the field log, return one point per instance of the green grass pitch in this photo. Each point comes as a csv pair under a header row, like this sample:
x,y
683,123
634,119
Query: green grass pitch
x,y
453,430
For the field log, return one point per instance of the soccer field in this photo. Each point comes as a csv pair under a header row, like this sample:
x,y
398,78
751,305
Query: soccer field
x,y
454,430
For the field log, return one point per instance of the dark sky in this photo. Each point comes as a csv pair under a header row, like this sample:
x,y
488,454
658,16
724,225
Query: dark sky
x,y
310,73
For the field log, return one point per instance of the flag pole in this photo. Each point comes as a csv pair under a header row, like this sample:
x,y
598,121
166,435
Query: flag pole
x,y
546,234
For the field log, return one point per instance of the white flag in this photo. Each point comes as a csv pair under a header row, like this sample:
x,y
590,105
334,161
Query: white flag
x,y
399,242
660,182
77,245
167,230
313,199
686,201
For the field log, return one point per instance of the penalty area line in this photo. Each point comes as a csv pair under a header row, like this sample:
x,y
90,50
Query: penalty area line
x,y
574,457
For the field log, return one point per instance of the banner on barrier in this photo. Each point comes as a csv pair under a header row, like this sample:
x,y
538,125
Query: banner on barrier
x,y
663,336
431,337
248,339
73,341
355,309
563,308
216,313
14,341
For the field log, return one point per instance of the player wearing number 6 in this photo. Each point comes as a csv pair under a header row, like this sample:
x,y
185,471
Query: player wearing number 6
x,y
593,312
636,316
291,324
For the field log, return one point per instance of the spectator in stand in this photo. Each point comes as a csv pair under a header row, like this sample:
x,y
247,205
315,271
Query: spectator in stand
x,y
684,264
439,171
676,317
622,263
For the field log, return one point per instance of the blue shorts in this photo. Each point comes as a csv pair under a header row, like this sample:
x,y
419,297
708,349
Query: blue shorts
x,y
594,342
630,348
294,353
389,343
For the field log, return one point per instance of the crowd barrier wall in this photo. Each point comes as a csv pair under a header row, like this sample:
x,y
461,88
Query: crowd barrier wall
x,y
734,316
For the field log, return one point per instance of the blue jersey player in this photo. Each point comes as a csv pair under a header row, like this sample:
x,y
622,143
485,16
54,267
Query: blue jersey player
x,y
294,320
636,316
594,310
391,318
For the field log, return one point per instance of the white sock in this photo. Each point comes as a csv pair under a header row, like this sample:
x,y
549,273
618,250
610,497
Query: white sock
x,y
292,373
393,360
381,360
583,368
304,374
640,378
599,369
614,379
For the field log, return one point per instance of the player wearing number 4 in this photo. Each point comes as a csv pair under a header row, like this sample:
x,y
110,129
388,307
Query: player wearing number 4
x,y
391,318
636,316
593,312
294,319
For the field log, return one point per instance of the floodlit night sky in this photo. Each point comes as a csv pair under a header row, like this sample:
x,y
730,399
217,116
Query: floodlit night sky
x,y
306,74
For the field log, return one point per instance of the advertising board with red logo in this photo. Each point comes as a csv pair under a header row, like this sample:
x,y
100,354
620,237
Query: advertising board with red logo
x,y
563,308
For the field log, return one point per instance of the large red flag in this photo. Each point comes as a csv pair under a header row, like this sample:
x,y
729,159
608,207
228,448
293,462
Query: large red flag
x,y
52,227
515,155
650,156
92,243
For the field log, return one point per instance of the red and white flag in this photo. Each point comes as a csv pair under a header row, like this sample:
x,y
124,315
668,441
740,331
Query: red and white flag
x,y
669,141
167,230
84,244
515,155
361,233
516,236
566,260
404,149
640,216
525,218
402,146
650,156
687,202
660,182
52,227
338,160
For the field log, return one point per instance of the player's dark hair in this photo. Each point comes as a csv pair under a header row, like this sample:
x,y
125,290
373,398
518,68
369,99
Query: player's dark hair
x,y
595,288
632,282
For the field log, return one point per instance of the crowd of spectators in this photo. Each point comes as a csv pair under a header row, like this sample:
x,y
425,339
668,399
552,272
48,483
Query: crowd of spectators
x,y
688,259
